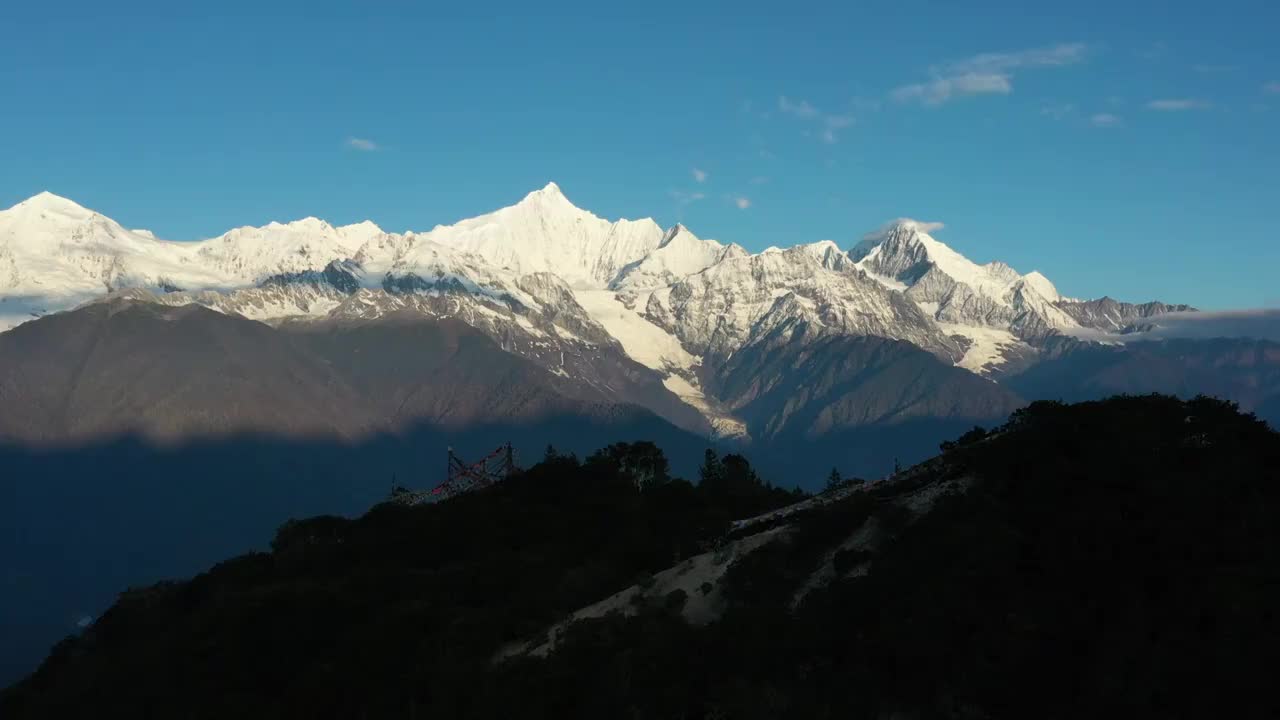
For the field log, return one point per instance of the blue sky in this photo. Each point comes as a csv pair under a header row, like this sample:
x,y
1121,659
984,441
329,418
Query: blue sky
x,y
1127,148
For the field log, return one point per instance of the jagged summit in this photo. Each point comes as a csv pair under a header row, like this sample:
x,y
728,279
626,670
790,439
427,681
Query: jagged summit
x,y
548,196
672,232
905,252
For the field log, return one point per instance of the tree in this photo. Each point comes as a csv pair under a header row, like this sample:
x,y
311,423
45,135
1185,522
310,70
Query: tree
x,y
551,454
712,471
739,477
641,463
834,480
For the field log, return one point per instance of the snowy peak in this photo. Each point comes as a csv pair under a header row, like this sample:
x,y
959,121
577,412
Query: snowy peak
x,y
827,253
361,232
549,194
1041,285
544,232
51,206
904,252
957,291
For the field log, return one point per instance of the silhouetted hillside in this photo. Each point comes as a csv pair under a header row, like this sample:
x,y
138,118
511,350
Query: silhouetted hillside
x,y
1116,557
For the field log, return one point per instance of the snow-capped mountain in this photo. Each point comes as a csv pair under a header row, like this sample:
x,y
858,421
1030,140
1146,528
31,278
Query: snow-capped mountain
x,y
623,306
997,312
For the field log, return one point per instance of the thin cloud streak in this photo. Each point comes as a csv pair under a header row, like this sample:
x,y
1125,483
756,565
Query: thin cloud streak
x,y
1104,120
362,144
939,91
700,175
685,198
1177,105
801,109
984,74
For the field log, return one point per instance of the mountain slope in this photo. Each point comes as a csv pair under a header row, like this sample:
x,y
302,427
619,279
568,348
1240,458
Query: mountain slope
x,y
1241,370
846,383
168,373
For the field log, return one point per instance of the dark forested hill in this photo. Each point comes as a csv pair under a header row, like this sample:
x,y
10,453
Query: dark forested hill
x,y
1117,557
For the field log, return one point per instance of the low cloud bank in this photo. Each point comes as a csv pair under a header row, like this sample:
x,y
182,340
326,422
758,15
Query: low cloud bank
x,y
1262,324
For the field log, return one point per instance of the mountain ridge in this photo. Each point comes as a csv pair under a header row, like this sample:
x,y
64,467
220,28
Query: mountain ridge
x,y
561,286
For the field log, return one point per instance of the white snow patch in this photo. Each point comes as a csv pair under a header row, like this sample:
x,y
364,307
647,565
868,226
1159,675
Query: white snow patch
x,y
691,576
643,341
987,352
724,424
885,280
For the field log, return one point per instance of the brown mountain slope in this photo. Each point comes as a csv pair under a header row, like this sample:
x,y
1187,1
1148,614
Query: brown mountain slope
x,y
169,373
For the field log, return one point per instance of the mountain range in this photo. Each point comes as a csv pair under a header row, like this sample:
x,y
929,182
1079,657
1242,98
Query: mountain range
x,y
780,345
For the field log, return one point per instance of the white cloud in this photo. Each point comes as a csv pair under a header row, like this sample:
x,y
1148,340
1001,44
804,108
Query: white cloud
x,y
1052,56
759,180
1104,120
1178,104
700,175
1258,323
684,198
830,122
799,109
742,202
923,226
1271,88
936,92
364,144
985,74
